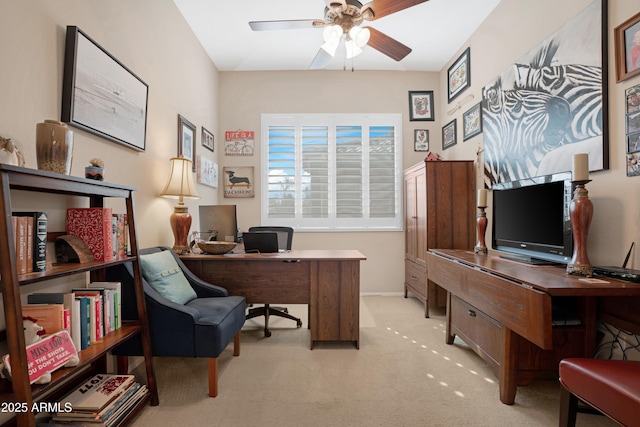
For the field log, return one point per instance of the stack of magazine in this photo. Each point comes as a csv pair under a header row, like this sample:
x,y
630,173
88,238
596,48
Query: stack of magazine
x,y
103,401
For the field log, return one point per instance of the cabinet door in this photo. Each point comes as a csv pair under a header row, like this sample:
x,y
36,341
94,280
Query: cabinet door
x,y
421,218
410,217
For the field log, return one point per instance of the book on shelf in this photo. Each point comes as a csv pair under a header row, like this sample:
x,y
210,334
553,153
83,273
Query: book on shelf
x,y
98,392
49,316
112,415
94,227
119,246
21,244
114,295
71,310
38,243
96,307
84,321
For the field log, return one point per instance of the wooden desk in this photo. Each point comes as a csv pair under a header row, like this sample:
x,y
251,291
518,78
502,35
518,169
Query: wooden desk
x,y
503,310
329,281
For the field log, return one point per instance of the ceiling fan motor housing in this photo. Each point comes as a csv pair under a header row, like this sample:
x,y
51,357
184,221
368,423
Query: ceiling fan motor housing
x,y
346,14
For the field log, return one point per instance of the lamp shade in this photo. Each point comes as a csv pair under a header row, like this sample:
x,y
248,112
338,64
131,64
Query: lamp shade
x,y
180,182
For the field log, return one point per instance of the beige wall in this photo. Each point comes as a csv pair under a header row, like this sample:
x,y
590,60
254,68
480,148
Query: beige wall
x,y
151,38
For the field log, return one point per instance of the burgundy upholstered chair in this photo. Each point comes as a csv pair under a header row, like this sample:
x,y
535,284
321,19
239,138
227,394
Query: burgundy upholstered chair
x,y
611,387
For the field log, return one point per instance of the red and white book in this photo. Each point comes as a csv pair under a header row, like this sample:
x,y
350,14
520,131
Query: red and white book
x,y
94,227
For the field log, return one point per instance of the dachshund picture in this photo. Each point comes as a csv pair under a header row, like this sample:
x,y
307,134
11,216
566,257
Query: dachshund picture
x,y
233,179
238,181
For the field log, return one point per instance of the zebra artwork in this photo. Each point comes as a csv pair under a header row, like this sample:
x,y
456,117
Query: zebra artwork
x,y
547,106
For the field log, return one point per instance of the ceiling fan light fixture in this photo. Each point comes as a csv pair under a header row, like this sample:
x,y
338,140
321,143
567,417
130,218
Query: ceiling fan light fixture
x,y
360,36
331,35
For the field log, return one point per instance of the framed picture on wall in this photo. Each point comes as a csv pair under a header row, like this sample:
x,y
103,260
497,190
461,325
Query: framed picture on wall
x,y
187,140
421,106
449,135
459,75
206,139
100,95
420,140
627,46
472,122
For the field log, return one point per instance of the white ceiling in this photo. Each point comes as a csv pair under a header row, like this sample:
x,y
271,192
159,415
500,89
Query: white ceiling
x,y
435,30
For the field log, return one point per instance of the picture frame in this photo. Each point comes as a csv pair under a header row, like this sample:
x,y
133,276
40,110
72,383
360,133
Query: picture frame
x,y
459,75
206,139
627,48
187,140
421,106
449,134
238,182
100,95
207,173
472,122
421,140
633,143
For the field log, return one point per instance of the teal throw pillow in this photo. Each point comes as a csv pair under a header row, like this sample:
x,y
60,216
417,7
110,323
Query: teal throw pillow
x,y
164,275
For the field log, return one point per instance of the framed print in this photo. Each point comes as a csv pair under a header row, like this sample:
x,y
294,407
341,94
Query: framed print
x,y
633,164
472,122
239,142
564,70
627,46
100,95
187,140
238,181
207,172
420,140
449,134
421,106
633,99
633,142
459,75
206,139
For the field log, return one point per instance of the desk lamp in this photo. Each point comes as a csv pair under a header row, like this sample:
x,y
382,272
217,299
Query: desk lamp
x,y
180,185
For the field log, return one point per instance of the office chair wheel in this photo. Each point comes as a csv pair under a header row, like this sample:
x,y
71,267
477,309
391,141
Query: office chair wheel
x,y
299,323
267,333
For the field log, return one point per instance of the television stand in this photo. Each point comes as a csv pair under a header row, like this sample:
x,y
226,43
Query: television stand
x,y
528,260
504,312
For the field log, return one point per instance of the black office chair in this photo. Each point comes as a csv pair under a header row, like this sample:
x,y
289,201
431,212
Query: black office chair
x,y
285,239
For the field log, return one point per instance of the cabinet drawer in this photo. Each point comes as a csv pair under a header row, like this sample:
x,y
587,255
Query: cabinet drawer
x,y
484,332
415,276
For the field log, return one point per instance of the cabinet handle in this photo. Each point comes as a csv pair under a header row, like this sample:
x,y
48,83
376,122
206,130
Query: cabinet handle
x,y
471,313
414,277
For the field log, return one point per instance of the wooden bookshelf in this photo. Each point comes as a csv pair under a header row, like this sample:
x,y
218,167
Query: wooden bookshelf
x,y
93,358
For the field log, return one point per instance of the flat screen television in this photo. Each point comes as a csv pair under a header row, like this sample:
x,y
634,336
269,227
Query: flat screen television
x,y
531,219
219,220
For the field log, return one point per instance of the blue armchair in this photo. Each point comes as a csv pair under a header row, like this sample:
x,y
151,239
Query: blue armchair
x,y
203,326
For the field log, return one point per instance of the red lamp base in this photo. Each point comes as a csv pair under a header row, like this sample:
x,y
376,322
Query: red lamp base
x,y
180,221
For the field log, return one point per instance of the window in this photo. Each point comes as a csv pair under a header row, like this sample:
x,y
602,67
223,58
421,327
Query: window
x,y
332,172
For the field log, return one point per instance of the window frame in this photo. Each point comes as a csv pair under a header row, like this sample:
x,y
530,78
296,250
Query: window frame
x,y
332,121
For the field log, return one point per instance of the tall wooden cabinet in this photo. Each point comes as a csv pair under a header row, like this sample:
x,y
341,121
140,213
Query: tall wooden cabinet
x,y
93,358
439,212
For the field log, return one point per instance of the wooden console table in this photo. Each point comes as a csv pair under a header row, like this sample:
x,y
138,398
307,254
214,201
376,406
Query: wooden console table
x,y
327,280
506,311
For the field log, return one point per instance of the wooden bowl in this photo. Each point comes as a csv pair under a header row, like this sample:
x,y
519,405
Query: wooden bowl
x,y
214,247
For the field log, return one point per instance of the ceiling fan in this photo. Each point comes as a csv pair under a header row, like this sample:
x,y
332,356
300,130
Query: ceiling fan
x,y
344,17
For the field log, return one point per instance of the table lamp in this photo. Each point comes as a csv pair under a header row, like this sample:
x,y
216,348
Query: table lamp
x,y
180,185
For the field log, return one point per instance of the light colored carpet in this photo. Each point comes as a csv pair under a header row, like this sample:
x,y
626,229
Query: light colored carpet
x,y
403,375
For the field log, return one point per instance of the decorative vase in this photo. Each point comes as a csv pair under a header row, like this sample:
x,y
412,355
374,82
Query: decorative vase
x,y
94,172
54,146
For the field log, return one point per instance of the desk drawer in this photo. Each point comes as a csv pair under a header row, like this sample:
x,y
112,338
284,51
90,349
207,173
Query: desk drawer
x,y
517,306
415,276
483,332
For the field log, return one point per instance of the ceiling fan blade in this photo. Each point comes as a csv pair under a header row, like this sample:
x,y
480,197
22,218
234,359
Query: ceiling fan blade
x,y
387,45
387,7
321,60
286,24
